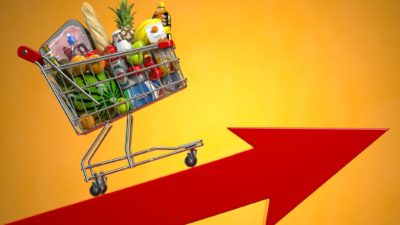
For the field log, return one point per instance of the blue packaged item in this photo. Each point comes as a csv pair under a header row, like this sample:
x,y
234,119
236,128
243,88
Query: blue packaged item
x,y
156,83
171,78
139,89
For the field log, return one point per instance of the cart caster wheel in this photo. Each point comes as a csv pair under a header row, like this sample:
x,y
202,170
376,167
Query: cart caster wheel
x,y
190,160
104,189
95,190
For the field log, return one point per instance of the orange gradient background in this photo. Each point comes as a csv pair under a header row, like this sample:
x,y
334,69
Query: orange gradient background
x,y
249,64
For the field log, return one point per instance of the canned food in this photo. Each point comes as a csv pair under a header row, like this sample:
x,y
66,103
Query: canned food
x,y
118,69
171,81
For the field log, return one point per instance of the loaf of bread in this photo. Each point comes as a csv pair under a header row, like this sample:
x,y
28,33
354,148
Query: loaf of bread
x,y
95,28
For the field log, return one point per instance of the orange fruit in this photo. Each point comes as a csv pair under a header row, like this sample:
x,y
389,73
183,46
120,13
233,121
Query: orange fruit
x,y
96,67
81,69
87,122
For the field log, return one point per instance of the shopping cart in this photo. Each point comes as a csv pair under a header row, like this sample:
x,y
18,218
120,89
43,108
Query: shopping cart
x,y
91,111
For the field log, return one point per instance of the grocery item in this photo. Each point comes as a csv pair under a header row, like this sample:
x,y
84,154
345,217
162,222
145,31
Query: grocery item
x,y
138,44
118,68
96,67
57,76
137,58
71,32
125,20
122,108
120,43
46,49
76,48
162,56
141,86
95,28
87,122
156,33
111,86
105,93
81,69
155,73
110,49
140,34
162,14
168,79
134,68
94,52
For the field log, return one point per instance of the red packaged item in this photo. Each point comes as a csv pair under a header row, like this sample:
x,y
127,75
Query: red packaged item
x,y
135,68
155,73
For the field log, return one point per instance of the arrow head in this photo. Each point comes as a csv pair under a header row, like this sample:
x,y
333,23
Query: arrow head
x,y
296,162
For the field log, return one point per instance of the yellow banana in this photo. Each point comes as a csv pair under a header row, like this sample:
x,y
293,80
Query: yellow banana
x,y
146,22
140,33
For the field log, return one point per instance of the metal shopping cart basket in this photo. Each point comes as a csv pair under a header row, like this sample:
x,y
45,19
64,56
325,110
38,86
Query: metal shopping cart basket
x,y
91,102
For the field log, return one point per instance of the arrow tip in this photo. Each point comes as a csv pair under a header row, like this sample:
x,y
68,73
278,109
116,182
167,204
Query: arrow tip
x,y
305,159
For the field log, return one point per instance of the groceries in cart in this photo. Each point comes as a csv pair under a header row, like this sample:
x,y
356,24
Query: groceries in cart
x,y
115,75
97,80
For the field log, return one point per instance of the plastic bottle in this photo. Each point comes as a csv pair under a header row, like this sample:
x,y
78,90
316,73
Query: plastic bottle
x,y
162,14
121,44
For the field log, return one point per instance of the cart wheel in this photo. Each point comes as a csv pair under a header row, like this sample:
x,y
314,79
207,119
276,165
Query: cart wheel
x,y
190,160
102,183
95,190
104,189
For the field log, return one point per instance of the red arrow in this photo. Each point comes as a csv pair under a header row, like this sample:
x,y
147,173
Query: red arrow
x,y
285,165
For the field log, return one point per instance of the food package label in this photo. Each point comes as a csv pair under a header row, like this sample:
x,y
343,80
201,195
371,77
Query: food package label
x,y
156,33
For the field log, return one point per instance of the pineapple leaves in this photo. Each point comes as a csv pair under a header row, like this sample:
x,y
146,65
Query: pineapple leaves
x,y
124,15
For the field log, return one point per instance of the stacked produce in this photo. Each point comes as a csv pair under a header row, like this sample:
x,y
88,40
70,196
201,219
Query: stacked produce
x,y
132,77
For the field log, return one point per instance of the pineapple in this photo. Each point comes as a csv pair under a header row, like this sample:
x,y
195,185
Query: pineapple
x,y
125,19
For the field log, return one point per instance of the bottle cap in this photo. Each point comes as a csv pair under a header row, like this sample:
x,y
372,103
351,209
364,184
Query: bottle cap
x,y
115,32
71,39
161,5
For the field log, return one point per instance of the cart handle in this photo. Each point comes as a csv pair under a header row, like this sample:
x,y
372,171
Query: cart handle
x,y
30,55
33,56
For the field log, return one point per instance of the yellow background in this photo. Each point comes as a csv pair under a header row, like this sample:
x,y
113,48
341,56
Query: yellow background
x,y
249,64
